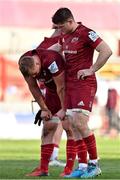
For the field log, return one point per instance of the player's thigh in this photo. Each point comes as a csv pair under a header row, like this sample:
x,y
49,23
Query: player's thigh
x,y
58,133
81,119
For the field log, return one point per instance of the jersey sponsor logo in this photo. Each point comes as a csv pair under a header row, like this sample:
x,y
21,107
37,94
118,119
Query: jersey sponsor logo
x,y
49,81
53,68
70,52
93,36
81,103
75,39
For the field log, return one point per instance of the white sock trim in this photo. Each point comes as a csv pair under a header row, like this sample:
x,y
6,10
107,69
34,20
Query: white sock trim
x,y
94,161
54,153
82,165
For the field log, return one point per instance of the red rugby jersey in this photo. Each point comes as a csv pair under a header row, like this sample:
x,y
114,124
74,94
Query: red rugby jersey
x,y
52,64
78,48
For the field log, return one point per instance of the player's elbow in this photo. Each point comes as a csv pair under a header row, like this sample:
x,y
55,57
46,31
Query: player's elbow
x,y
109,52
106,51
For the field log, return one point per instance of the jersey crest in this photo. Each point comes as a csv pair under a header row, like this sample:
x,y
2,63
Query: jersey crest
x,y
93,36
75,39
53,68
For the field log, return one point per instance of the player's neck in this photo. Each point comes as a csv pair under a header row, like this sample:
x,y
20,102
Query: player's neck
x,y
75,25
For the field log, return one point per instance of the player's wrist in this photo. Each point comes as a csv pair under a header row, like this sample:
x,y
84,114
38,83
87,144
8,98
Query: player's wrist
x,y
44,109
92,69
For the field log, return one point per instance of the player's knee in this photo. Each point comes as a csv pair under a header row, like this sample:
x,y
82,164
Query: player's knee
x,y
68,129
83,128
49,127
69,133
45,133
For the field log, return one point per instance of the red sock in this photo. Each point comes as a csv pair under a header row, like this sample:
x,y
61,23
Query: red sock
x,y
46,151
71,153
91,146
81,151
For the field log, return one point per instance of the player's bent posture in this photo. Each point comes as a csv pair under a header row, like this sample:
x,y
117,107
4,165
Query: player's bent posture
x,y
48,66
45,44
78,44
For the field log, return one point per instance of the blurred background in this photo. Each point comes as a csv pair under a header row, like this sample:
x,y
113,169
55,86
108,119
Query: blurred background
x,y
23,25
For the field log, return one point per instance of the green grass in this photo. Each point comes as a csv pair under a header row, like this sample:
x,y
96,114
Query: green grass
x,y
18,157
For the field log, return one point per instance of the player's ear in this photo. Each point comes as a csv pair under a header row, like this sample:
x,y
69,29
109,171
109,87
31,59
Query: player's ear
x,y
70,20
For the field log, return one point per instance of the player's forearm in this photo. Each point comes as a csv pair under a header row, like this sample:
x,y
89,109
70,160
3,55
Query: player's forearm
x,y
101,60
60,85
104,54
35,91
38,97
61,94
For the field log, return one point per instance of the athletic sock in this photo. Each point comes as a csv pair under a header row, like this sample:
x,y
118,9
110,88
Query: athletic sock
x,y
46,151
81,151
71,153
91,146
55,152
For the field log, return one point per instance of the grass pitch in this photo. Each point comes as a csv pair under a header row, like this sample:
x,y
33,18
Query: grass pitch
x,y
19,157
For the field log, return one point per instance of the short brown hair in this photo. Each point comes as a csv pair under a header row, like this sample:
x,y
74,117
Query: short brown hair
x,y
25,64
62,15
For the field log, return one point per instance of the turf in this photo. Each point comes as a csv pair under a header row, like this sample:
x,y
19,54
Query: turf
x,y
18,157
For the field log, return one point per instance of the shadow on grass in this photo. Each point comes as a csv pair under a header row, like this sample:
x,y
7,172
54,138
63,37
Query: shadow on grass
x,y
16,169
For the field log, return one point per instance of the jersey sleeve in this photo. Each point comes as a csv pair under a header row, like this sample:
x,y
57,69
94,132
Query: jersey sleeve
x,y
91,37
47,42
